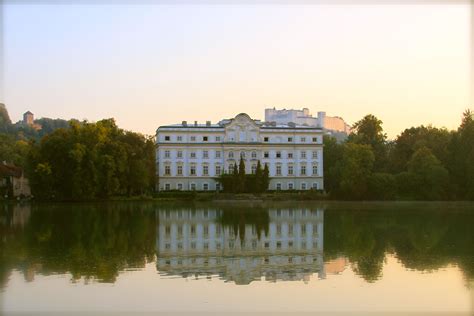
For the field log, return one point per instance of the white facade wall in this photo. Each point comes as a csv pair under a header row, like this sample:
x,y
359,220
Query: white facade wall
x,y
185,152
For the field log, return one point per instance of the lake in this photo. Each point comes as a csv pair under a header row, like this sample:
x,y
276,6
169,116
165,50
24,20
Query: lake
x,y
136,257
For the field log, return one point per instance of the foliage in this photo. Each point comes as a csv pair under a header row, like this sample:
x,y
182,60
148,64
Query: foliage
x,y
369,131
91,160
354,170
241,182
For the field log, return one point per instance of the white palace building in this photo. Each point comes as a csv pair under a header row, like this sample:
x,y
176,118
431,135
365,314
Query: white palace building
x,y
191,156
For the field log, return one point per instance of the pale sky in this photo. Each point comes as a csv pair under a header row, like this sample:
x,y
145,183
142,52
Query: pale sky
x,y
151,65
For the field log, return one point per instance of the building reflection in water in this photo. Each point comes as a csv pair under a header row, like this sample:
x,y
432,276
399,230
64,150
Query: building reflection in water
x,y
195,243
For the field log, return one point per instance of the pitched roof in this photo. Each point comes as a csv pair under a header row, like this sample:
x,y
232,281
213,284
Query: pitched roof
x,y
10,171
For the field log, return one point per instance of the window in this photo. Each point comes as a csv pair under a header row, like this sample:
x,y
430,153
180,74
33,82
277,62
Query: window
x,y
218,186
193,138
278,154
315,186
242,154
218,138
290,186
290,155
315,169
193,186
167,138
167,230
192,170
205,138
218,170
278,230
167,170
303,139
315,139
303,170
167,186
180,138
180,154
231,168
179,186
205,187
193,154
278,170
303,186
303,155
254,154
179,170
266,154
290,170
278,186
265,139
278,244
205,170
290,139
205,154
254,169
218,154
315,155
303,230
167,154
231,154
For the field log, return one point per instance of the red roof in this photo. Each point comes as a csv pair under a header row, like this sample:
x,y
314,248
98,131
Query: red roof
x,y
10,171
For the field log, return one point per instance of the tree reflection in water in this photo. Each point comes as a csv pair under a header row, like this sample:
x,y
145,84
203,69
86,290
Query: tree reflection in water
x,y
98,241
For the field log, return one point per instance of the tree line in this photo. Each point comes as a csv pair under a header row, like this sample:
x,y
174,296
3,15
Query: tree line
x,y
90,161
422,163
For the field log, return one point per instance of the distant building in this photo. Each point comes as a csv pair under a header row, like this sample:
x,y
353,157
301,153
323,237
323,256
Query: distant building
x,y
28,118
332,124
13,182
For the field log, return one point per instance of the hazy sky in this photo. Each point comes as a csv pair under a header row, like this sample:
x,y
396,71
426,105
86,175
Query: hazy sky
x,y
149,65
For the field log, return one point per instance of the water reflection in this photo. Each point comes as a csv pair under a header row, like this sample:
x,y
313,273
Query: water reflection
x,y
205,242
236,244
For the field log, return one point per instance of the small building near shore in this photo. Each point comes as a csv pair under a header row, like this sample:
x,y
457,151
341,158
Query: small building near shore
x,y
13,182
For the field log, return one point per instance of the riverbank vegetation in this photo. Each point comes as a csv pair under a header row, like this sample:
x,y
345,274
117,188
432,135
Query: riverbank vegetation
x,y
72,160
422,163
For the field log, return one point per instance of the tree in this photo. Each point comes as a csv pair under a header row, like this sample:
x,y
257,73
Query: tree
x,y
92,160
461,155
241,185
265,178
412,139
332,153
369,131
5,122
259,178
431,179
354,169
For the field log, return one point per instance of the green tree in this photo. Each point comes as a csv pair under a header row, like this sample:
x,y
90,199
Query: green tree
x,y
431,179
369,131
354,170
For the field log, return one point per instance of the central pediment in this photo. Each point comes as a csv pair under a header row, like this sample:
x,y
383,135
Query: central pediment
x,y
242,129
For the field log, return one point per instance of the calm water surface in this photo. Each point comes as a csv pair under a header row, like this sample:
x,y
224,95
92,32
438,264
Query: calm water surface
x,y
336,257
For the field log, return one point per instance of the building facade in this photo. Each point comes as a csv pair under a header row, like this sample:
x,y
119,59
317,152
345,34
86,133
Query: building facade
x,y
303,117
190,157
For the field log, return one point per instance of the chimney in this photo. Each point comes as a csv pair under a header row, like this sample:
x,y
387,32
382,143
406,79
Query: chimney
x,y
184,123
208,123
